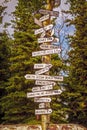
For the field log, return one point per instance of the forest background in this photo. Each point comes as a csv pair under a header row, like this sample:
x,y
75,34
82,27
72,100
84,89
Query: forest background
x,y
16,61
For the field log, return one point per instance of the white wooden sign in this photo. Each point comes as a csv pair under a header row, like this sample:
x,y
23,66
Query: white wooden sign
x,y
52,13
37,22
41,66
45,99
42,105
44,93
42,88
48,47
43,18
41,30
44,77
38,82
46,52
43,111
48,39
43,70
43,34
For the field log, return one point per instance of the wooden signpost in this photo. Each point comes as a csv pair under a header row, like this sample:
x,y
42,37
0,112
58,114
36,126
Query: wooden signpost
x,y
44,93
44,77
41,30
41,82
43,111
43,18
45,82
45,99
43,70
46,52
40,66
51,13
49,47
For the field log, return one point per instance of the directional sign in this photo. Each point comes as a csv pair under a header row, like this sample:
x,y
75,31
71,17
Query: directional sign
x,y
44,93
43,34
37,22
48,87
46,52
52,13
43,18
48,39
42,105
38,82
43,70
41,30
44,77
43,111
42,99
48,47
40,66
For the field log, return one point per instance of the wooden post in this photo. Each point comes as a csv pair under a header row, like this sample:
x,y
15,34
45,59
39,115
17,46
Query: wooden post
x,y
46,59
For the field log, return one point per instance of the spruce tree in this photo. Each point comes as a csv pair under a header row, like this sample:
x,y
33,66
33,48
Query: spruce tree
x,y
76,89
17,107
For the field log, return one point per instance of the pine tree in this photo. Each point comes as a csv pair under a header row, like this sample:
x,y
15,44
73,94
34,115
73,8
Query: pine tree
x,y
76,89
4,62
17,107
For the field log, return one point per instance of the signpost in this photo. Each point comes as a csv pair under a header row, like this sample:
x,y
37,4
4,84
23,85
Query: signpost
x,y
46,52
48,87
38,22
49,47
48,39
43,18
43,70
40,66
51,13
45,99
43,111
45,82
44,93
38,82
41,30
44,77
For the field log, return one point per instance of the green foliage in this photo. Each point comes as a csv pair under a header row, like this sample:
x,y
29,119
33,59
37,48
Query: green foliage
x,y
77,80
4,67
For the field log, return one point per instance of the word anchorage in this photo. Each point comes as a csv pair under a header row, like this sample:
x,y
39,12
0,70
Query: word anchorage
x,y
44,77
44,93
46,52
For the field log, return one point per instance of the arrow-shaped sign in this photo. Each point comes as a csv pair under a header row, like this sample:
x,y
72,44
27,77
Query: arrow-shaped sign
x,y
43,111
45,99
46,52
49,47
44,77
41,30
44,93
43,70
36,89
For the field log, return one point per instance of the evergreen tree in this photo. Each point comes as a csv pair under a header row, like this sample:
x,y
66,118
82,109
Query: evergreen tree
x,y
4,62
16,105
76,89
